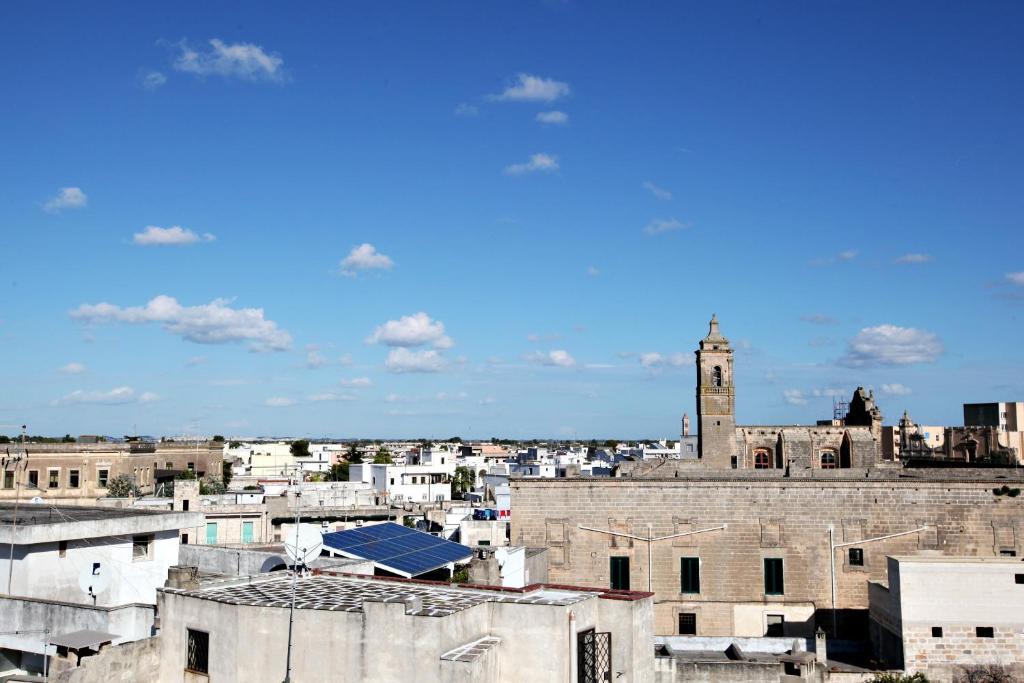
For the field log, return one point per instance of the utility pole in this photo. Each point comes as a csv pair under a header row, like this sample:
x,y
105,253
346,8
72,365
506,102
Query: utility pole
x,y
295,573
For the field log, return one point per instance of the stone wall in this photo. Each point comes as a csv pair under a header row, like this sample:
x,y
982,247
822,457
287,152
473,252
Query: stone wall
x,y
940,658
787,519
128,663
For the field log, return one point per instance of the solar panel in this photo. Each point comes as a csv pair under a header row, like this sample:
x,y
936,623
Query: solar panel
x,y
397,548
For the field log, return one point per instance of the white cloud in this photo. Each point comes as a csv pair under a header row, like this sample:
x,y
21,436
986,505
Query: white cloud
x,y
659,192
895,389
405,360
345,359
116,396
847,255
653,359
593,271
73,369
818,319
194,361
828,392
914,258
330,396
212,323
662,225
365,257
173,236
314,359
794,397
1016,278
529,88
239,60
66,198
356,382
151,80
557,357
411,330
892,345
538,162
279,402
488,400
464,109
557,118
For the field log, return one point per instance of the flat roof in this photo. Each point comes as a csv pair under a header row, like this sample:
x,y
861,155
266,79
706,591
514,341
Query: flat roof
x,y
44,522
78,640
924,559
347,594
29,514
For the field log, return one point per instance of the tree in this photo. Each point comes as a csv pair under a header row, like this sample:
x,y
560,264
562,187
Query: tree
x,y
462,481
187,474
226,473
211,487
300,448
353,452
68,439
235,444
217,438
383,457
898,678
611,443
338,472
455,439
984,673
123,486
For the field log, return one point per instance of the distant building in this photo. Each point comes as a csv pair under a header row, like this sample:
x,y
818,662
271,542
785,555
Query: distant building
x,y
1007,416
935,614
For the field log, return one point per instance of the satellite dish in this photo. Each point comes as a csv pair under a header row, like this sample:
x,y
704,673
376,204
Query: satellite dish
x,y
36,500
94,579
304,544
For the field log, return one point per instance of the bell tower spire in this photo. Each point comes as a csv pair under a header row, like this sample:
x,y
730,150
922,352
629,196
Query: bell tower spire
x,y
716,400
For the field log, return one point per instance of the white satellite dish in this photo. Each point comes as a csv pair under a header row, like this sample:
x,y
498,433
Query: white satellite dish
x,y
94,579
304,544
36,500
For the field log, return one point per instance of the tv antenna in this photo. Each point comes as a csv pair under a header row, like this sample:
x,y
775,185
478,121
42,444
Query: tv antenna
x,y
93,580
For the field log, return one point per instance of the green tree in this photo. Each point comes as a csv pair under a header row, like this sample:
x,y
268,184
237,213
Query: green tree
x,y
898,678
611,443
352,454
235,444
211,486
338,472
455,439
68,439
226,473
462,481
123,486
383,457
187,474
217,438
300,448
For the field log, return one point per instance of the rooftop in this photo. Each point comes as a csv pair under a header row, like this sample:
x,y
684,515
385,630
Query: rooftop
x,y
347,594
44,523
29,514
922,559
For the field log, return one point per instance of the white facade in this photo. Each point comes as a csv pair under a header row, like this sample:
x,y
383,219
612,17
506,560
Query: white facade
x,y
416,483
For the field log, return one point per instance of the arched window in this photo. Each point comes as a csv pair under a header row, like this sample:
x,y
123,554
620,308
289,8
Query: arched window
x,y
716,376
828,460
762,460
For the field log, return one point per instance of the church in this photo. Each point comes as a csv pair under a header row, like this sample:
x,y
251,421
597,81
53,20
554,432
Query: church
x,y
851,443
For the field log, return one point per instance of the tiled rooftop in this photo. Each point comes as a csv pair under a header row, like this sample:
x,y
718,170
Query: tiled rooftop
x,y
346,594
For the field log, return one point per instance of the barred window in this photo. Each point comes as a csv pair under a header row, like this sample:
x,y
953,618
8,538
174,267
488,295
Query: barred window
x,y
198,656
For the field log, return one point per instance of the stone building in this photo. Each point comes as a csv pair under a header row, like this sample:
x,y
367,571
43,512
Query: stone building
x,y
776,530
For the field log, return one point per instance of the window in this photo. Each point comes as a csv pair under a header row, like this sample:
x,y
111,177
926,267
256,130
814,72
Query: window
x,y
33,478
716,376
828,460
392,481
1018,578
102,477
687,624
773,581
1006,552
689,575
198,651
734,462
775,626
73,479
191,467
856,557
762,461
619,567
184,505
52,479
62,548
141,548
168,465
984,632
8,480
483,543
184,539
936,631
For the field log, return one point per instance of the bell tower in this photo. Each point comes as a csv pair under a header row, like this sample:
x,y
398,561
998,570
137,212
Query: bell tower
x,y
716,400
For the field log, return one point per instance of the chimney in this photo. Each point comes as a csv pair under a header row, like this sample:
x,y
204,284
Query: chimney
x,y
820,646
686,424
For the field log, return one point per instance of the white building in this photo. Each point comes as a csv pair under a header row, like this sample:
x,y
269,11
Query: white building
x,y
417,483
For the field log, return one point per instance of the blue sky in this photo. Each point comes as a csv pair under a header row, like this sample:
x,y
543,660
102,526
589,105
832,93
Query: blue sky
x,y
541,205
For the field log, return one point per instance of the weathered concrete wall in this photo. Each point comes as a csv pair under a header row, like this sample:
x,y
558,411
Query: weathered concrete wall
x,y
247,561
128,663
129,622
788,519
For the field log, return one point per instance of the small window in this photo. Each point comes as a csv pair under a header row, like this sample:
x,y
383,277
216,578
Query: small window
x,y
984,632
33,478
483,543
716,376
619,569
62,548
52,479
392,481
856,557
936,631
191,467
168,465
828,460
184,539
141,548
773,579
1018,578
775,626
1007,552
687,624
8,480
734,462
689,575
762,461
197,651
102,477
74,479
184,505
